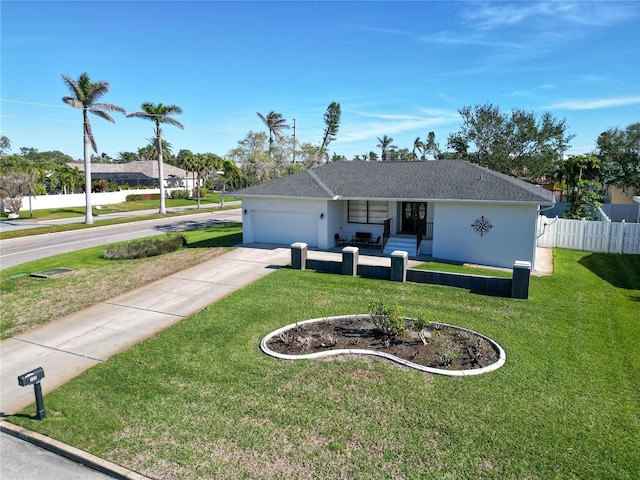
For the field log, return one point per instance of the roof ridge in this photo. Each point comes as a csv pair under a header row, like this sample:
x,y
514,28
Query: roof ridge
x,y
320,183
515,181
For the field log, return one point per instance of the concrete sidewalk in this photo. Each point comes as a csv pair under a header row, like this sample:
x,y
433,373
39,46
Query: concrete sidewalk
x,y
67,347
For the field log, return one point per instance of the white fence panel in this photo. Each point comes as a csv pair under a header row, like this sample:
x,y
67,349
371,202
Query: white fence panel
x,y
591,236
569,234
631,242
595,236
40,202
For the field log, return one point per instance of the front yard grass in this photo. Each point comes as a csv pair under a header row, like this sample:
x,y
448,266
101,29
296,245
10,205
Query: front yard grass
x,y
200,400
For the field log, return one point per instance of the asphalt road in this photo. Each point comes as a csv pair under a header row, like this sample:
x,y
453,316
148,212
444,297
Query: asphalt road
x,y
20,460
20,250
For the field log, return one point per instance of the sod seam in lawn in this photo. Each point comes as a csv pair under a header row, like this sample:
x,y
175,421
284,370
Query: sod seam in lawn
x,y
200,400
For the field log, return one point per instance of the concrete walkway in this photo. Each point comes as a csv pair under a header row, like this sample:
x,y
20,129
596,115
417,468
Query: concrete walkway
x,y
67,347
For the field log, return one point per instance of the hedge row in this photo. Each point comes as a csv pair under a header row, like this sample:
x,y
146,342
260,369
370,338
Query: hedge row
x,y
142,196
145,248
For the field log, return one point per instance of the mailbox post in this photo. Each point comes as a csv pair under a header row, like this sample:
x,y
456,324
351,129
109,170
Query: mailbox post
x,y
33,378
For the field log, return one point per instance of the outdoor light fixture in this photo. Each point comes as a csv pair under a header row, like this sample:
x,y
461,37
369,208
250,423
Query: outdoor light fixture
x,y
321,216
245,211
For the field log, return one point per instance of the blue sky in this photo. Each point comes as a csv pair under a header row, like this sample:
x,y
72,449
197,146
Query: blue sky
x,y
400,69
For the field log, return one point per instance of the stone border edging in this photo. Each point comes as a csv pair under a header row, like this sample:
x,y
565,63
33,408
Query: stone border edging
x,y
79,456
502,356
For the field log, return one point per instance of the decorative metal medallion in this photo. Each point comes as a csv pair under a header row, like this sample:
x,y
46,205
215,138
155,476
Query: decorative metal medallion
x,y
482,225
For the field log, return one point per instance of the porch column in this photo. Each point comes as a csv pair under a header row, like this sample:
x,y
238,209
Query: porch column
x,y
350,261
399,264
298,256
520,282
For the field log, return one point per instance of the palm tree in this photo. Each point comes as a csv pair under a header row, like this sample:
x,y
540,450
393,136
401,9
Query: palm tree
x,y
85,94
275,123
203,164
159,113
228,171
385,145
419,146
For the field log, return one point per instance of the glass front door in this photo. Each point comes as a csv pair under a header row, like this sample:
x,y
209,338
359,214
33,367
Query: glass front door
x,y
414,217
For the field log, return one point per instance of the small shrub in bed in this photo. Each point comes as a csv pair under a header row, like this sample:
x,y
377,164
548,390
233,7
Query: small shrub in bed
x,y
387,318
180,194
145,248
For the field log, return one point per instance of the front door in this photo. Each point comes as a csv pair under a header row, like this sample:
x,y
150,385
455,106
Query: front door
x,y
414,216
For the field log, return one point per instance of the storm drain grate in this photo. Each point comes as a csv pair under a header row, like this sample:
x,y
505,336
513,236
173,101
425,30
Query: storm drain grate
x,y
50,273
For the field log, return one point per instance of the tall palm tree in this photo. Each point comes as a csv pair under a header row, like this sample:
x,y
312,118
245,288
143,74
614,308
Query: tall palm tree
x,y
275,123
385,145
419,146
203,164
85,96
159,113
228,171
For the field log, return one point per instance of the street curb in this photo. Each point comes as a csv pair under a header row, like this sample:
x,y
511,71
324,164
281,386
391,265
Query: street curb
x,y
72,453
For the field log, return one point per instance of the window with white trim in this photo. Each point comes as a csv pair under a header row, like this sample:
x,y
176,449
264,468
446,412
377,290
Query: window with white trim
x,y
363,211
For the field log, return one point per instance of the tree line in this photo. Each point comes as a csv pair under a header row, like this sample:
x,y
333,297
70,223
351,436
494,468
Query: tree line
x,y
516,143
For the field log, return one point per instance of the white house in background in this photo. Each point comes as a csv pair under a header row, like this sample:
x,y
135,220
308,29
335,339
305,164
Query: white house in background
x,y
143,173
449,209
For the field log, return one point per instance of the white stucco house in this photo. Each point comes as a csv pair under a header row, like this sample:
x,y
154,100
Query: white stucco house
x,y
449,209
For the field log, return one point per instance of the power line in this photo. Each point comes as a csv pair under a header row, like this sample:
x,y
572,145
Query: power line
x,y
40,119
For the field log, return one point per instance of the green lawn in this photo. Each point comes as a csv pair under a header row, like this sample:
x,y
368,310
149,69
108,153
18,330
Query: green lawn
x,y
201,401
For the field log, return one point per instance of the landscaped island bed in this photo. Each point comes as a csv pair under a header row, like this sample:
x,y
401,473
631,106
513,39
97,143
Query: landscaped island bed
x,y
445,347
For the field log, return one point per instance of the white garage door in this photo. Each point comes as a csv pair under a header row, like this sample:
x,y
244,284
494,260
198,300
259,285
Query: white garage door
x,y
285,228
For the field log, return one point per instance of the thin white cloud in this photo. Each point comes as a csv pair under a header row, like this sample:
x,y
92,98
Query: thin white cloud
x,y
379,124
461,38
490,15
595,104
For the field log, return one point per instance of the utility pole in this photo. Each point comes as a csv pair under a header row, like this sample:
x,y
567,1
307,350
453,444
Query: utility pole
x,y
294,140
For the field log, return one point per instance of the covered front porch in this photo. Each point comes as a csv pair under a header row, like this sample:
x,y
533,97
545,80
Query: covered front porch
x,y
387,226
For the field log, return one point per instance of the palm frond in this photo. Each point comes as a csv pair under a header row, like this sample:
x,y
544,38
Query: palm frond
x,y
73,102
73,86
143,115
171,121
102,114
109,107
89,133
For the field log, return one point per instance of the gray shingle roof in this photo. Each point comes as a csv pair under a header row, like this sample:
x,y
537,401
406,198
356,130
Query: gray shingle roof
x,y
148,167
427,181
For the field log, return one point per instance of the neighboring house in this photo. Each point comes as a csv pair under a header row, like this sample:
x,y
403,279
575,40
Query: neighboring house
x,y
618,195
135,174
462,212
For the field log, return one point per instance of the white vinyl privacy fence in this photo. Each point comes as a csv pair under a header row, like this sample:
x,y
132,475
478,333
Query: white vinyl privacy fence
x,y
592,236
